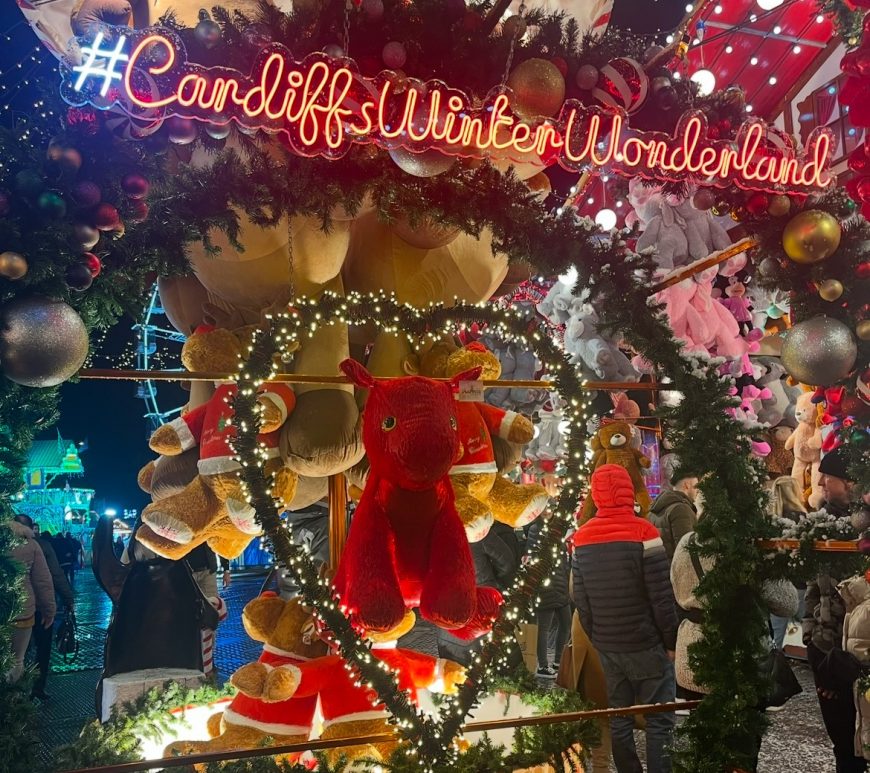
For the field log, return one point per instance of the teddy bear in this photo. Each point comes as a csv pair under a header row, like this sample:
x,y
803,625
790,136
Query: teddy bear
x,y
260,710
406,547
806,445
349,710
598,357
612,445
212,507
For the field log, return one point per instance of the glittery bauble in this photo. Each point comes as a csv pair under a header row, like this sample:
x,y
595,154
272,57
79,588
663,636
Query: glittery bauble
x,y
426,164
86,236
12,265
622,84
811,236
42,341
106,217
93,263
217,132
757,204
768,267
538,87
182,131
86,194
208,33
819,352
862,330
394,55
830,289
5,204
51,205
373,9
703,199
514,27
586,77
135,186
779,205
78,277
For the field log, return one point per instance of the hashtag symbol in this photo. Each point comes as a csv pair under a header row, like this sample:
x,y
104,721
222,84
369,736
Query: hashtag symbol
x,y
104,68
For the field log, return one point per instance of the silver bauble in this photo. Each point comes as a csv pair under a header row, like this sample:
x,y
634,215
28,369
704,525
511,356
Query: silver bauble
x,y
819,352
42,341
426,164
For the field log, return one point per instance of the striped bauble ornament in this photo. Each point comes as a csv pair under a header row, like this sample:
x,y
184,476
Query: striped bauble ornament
x,y
622,84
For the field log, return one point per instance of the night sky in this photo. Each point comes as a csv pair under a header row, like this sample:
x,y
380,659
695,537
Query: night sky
x,y
108,414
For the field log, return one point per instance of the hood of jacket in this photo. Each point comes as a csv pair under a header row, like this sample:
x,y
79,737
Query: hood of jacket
x,y
854,591
669,498
613,492
20,530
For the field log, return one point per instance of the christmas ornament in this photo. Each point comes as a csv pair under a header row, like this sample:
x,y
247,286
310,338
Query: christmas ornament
x,y
12,265
217,132
540,185
703,199
622,83
135,186
514,27
768,267
819,351
257,35
663,90
42,341
811,236
830,289
586,77
5,204
93,263
779,205
862,330
652,52
374,9
68,159
561,65
757,204
78,277
539,89
86,194
862,270
208,33
333,50
106,217
86,236
394,55
182,131
426,164
51,205
137,212
29,183
862,386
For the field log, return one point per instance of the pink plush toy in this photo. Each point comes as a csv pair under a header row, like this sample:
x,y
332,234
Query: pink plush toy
x,y
738,304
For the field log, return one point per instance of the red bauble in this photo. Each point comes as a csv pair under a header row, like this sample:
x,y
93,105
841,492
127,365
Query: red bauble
x,y
78,277
859,161
135,186
137,212
106,217
561,65
93,263
862,271
757,204
862,187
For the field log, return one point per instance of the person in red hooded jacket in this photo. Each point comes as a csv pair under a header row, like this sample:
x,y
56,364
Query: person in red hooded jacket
x,y
623,595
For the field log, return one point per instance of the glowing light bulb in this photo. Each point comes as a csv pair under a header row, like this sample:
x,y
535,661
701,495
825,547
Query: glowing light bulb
x,y
769,5
706,82
606,219
753,61
729,49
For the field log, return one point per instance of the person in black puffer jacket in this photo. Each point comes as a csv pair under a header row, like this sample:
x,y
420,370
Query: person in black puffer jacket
x,y
555,606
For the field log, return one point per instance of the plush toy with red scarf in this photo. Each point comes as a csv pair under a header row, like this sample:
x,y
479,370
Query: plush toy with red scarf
x,y
406,547
212,508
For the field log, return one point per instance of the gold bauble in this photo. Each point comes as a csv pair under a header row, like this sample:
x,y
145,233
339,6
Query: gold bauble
x,y
779,205
830,289
811,236
862,330
539,89
12,265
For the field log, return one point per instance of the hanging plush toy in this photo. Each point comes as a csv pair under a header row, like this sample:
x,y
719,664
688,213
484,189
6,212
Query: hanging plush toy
x,y
597,356
612,445
406,547
212,507
806,444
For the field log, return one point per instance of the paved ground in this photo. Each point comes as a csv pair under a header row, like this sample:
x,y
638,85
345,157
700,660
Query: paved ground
x,y
796,741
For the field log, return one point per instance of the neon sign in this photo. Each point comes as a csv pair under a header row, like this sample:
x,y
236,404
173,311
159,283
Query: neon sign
x,y
322,106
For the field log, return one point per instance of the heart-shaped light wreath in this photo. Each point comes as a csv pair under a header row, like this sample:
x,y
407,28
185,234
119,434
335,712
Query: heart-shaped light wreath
x,y
433,737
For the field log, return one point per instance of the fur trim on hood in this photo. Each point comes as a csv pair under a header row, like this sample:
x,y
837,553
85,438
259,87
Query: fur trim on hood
x,y
20,530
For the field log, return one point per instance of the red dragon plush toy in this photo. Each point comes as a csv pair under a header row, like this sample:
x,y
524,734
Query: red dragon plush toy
x,y
407,546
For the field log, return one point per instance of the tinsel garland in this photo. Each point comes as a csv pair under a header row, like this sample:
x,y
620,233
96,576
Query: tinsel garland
x,y
431,741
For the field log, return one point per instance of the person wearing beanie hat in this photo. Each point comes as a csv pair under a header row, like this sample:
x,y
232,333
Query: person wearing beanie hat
x,y
622,590
674,513
834,669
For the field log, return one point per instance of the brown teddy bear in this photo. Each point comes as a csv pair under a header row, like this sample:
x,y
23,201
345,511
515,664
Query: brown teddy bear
x,y
612,445
481,493
212,508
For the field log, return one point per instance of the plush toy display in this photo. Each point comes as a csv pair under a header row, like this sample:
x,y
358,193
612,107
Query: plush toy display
x,y
212,508
612,445
406,547
806,445
260,712
598,357
738,304
779,407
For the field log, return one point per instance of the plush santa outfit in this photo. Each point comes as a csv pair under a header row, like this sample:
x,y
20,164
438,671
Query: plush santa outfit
x,y
477,422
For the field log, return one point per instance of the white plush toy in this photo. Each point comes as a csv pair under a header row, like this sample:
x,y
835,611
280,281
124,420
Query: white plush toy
x,y
598,357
